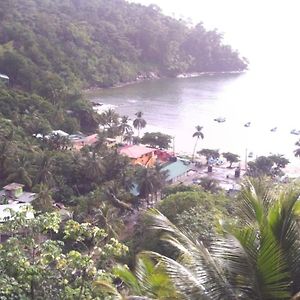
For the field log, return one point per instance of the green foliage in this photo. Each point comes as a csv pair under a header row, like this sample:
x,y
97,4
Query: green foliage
x,y
267,166
46,46
149,280
209,153
231,158
257,258
156,139
36,266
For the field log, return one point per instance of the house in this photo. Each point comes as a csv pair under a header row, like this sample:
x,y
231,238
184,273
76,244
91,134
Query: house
x,y
12,197
79,142
176,170
13,192
140,155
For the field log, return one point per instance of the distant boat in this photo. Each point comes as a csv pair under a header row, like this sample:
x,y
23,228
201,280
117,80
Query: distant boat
x,y
296,132
220,120
247,124
274,129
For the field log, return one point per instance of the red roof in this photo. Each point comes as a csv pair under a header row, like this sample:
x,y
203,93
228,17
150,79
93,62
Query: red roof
x,y
135,151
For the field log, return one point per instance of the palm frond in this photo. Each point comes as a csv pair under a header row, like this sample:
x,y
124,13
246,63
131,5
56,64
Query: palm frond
x,y
195,259
255,200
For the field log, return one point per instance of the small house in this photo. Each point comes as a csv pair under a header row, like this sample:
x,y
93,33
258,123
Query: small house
x,y
176,170
140,155
80,142
13,193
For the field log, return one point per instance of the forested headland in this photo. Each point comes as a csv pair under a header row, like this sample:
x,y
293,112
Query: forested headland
x,y
47,45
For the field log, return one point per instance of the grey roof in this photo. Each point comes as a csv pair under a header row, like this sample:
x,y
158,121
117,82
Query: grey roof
x,y
25,197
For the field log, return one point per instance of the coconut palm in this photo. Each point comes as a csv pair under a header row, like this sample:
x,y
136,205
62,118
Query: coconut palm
x,y
148,280
43,201
44,173
124,127
139,122
19,171
161,179
147,183
198,134
257,260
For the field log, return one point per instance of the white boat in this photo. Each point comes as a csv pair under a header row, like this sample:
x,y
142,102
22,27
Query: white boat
x,y
247,124
296,132
274,129
220,119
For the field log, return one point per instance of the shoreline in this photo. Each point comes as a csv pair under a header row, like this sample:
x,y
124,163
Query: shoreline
x,y
158,77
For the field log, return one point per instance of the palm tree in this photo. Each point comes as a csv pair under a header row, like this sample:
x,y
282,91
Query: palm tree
x,y
43,201
20,172
259,259
139,122
161,179
109,119
124,127
148,280
128,138
44,173
198,134
147,183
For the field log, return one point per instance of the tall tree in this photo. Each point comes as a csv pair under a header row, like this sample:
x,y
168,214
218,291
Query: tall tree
x,y
124,127
139,123
197,134
231,158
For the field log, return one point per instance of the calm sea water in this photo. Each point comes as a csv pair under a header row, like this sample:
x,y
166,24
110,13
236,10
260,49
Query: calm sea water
x,y
176,106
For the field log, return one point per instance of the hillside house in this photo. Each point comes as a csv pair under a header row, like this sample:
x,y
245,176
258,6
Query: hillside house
x,y
140,155
79,142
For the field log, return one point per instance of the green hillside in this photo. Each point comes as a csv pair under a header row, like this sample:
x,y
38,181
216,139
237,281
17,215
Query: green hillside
x,y
46,45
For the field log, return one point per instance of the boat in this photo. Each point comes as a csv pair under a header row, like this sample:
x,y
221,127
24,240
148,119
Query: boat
x,y
220,119
247,124
274,129
296,132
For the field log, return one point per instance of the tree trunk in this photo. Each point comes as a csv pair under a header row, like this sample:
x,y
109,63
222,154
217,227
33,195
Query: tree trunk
x,y
193,157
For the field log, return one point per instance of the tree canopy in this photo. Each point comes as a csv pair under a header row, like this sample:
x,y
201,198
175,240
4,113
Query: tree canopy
x,y
52,46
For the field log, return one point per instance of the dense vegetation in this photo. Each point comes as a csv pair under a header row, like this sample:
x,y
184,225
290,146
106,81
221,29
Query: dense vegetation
x,y
51,47
217,247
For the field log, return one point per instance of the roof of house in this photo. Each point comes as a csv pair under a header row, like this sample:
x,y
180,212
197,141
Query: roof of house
x,y
91,139
59,132
175,169
135,151
12,186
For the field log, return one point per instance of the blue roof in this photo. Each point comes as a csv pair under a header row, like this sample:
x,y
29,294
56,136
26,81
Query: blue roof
x,y
175,169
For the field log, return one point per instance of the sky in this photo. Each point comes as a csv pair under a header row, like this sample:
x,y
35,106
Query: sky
x,y
264,31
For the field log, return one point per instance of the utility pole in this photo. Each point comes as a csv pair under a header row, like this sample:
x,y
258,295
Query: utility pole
x,y
173,137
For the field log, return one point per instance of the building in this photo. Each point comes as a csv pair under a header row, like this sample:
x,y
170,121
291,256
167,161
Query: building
x,y
12,197
140,155
79,142
176,170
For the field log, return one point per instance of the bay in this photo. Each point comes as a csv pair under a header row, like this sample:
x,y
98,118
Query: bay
x,y
175,106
